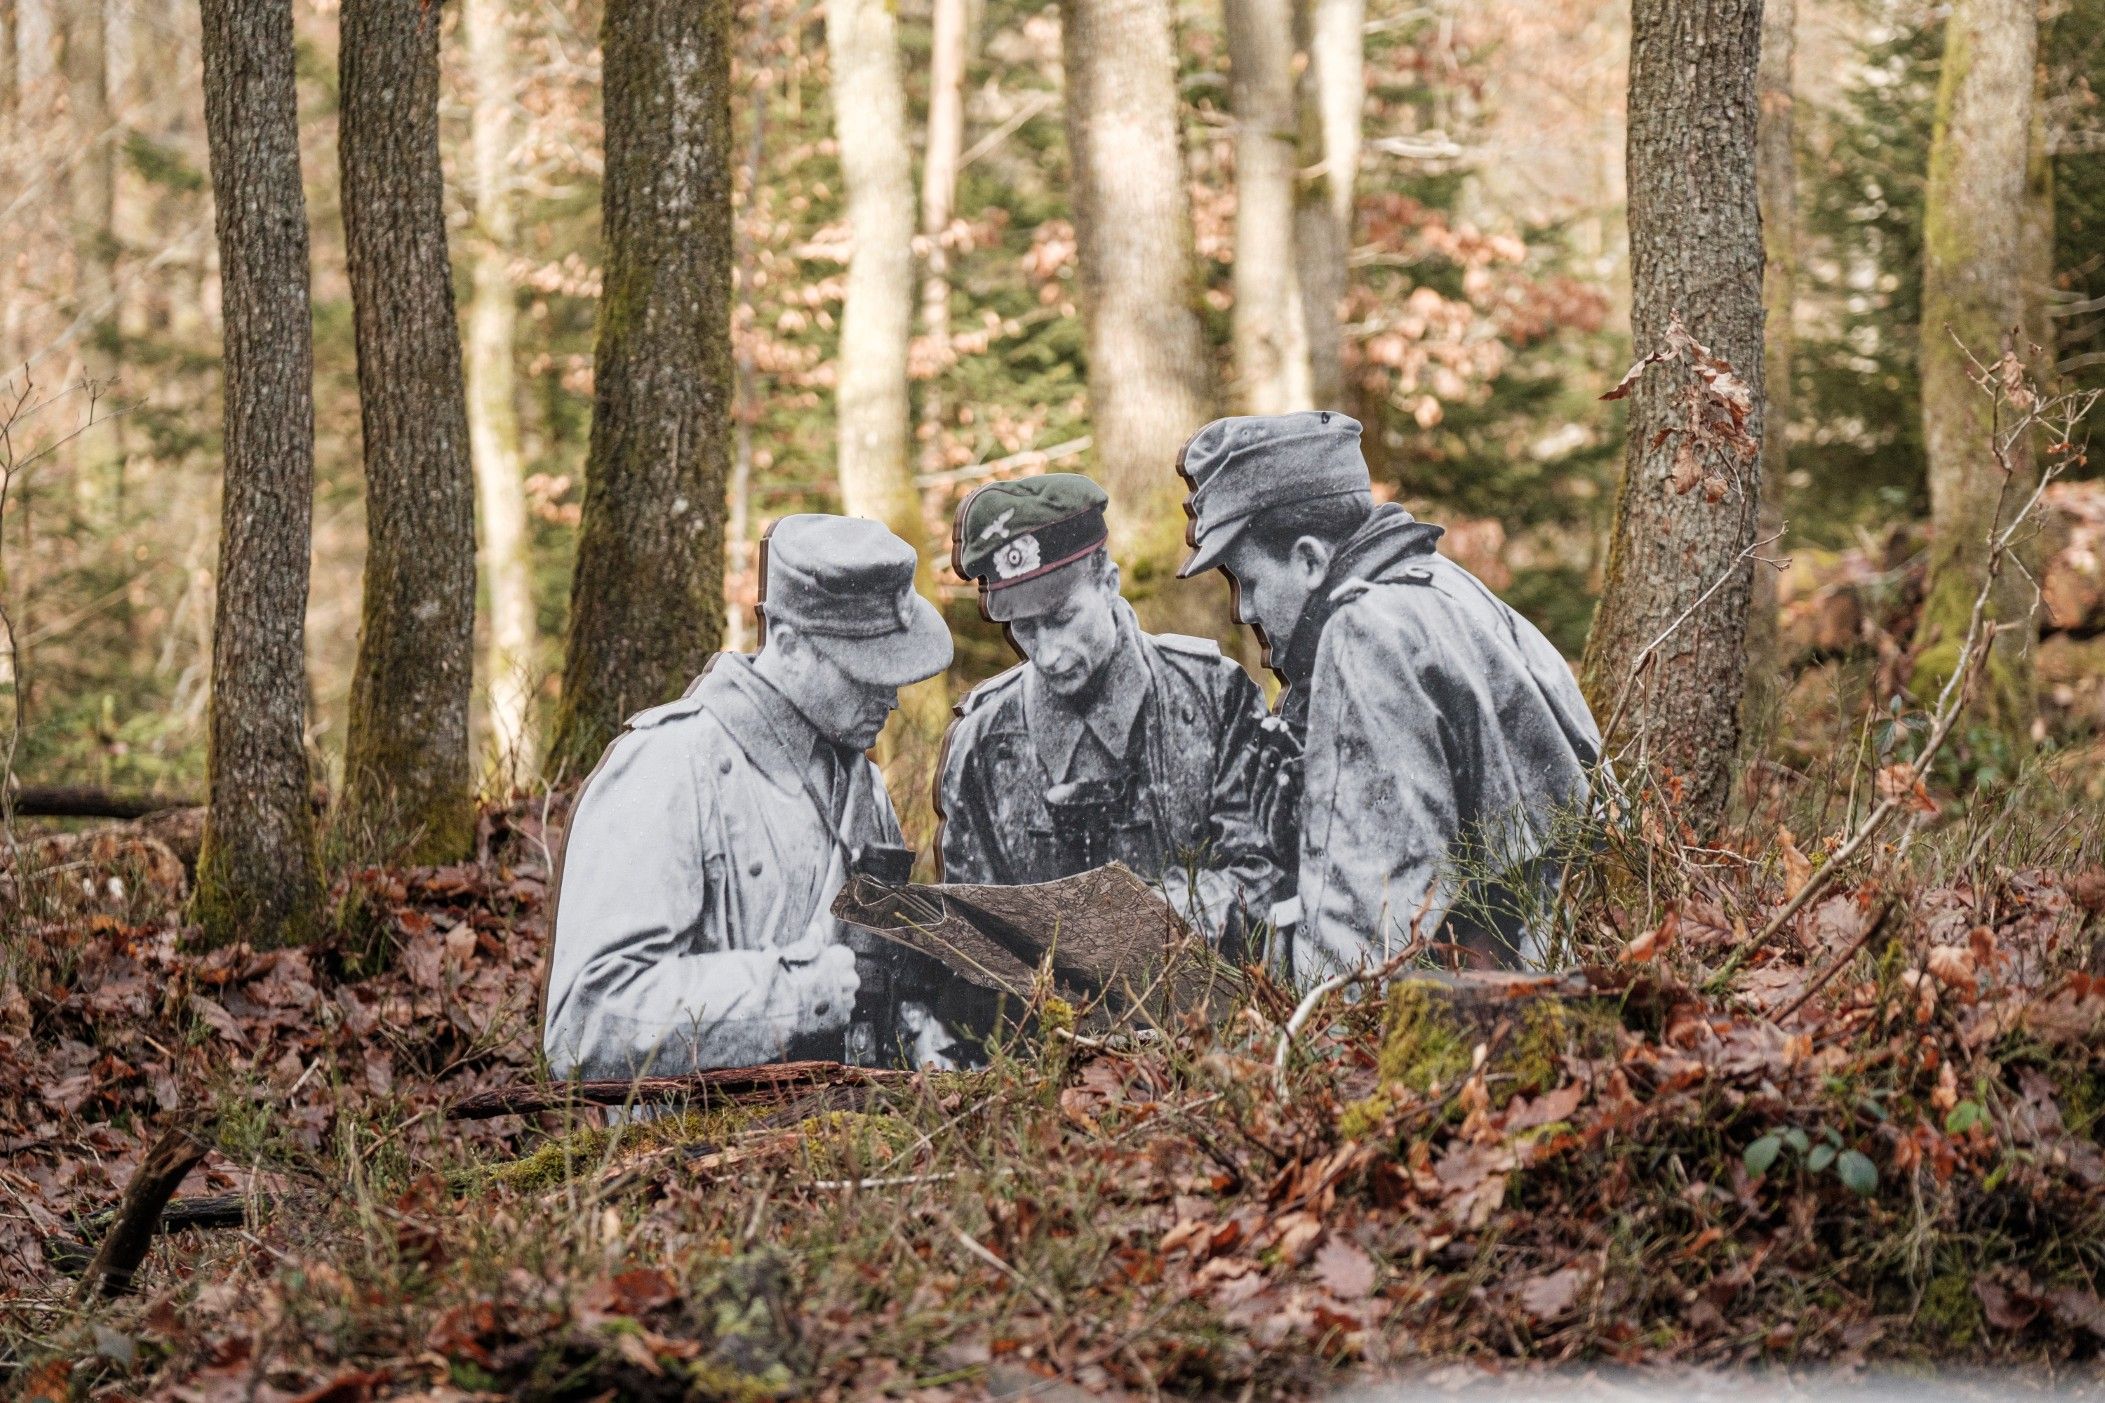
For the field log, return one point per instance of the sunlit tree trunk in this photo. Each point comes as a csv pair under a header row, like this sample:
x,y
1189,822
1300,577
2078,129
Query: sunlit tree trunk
x,y
92,182
939,167
646,597
876,473
493,419
1677,565
1776,173
10,59
407,770
1332,91
1271,338
1150,376
258,875
1974,216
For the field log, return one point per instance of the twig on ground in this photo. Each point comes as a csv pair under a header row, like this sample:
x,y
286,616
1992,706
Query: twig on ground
x,y
971,1244
172,1157
1819,981
1313,999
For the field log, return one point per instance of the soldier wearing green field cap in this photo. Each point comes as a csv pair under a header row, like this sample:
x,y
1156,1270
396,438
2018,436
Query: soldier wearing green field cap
x,y
1106,743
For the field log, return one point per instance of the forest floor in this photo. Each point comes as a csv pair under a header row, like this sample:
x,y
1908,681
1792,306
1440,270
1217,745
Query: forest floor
x,y
1874,1140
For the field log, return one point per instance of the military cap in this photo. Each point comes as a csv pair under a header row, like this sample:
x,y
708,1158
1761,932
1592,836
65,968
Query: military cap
x,y
1239,467
848,585
1013,536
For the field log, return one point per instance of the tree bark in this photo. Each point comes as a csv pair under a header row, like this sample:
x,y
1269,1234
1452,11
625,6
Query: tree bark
x,y
939,167
259,874
1271,338
876,474
1332,92
10,57
646,597
1776,178
407,773
1150,376
493,419
1677,564
92,187
1972,302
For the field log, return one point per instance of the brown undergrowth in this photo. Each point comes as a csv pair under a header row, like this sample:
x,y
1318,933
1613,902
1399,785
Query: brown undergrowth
x,y
1878,1138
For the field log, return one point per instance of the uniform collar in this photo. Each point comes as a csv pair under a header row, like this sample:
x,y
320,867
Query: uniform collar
x,y
762,721
1388,535
1107,711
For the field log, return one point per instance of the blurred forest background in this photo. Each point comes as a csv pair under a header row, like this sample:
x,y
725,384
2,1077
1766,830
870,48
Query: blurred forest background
x,y
1485,312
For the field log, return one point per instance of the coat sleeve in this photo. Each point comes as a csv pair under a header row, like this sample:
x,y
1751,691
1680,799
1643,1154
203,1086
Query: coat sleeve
x,y
640,979
1379,809
1239,873
964,845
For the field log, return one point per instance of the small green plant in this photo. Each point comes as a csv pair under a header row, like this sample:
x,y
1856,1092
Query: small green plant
x,y
1853,1167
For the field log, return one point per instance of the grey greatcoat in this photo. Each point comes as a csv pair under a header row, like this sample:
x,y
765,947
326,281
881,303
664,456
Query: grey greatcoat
x,y
1442,737
694,859
1192,758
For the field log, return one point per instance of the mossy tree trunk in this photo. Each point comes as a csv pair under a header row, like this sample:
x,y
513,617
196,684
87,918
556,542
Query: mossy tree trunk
x,y
1776,174
493,419
646,597
1150,370
1271,333
1974,216
1696,255
258,872
877,312
407,777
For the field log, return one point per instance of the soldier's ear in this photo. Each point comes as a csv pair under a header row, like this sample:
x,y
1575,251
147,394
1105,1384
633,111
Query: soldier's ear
x,y
1311,556
1110,574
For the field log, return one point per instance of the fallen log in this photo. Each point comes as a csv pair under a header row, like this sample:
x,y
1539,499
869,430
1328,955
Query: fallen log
x,y
772,1080
72,1255
59,801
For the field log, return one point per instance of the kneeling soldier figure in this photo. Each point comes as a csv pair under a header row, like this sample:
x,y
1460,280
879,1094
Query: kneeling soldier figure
x,y
693,923
1106,743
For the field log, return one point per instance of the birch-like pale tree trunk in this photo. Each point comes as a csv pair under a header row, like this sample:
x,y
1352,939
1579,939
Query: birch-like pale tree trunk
x,y
1271,335
1776,175
1333,89
939,168
92,188
1974,215
493,416
876,472
259,871
1677,567
1150,373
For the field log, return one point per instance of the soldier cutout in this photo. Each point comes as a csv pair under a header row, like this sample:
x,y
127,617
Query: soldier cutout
x,y
1428,736
1106,743
692,922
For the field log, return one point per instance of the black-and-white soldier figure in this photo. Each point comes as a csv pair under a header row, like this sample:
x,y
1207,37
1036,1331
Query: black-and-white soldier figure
x,y
693,926
1437,735
1106,743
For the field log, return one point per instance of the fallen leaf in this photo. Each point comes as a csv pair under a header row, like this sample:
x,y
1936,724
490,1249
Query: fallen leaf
x,y
1655,942
1345,1271
1551,1294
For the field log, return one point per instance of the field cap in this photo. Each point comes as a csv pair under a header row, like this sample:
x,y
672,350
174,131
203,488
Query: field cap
x,y
848,585
1022,539
1238,467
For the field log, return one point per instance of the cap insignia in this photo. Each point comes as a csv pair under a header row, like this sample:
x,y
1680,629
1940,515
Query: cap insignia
x,y
998,527
1018,556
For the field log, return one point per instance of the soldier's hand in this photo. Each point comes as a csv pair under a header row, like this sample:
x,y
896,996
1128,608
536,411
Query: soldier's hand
x,y
819,986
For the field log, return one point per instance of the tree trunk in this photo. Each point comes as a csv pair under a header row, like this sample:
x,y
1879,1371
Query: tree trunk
x,y
1271,340
939,167
1776,177
1333,88
646,597
1676,561
1150,375
407,771
493,419
1972,302
258,876
84,44
876,474
10,58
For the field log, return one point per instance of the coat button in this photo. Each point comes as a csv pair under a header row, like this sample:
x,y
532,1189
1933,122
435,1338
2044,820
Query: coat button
x,y
753,870
723,766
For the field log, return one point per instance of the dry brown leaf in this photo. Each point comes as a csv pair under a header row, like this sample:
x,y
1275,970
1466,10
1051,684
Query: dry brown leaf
x,y
1797,867
1655,942
1952,966
1345,1271
1551,1294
